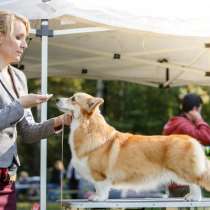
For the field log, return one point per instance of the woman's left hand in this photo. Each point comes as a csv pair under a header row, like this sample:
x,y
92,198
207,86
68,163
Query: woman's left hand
x,y
67,118
63,119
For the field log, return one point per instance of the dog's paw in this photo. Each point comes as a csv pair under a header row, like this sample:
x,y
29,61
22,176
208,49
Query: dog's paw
x,y
193,197
95,197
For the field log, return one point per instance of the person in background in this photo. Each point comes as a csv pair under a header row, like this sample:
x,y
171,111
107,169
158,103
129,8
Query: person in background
x,y
15,103
24,177
22,180
57,173
189,122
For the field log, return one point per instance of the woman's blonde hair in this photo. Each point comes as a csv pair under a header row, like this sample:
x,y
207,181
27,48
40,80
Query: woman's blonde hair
x,y
7,20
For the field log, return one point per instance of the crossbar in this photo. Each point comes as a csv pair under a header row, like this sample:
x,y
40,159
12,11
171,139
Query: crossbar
x,y
135,203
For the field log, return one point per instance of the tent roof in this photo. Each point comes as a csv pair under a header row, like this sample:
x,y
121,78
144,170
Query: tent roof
x,y
140,57
118,53
188,18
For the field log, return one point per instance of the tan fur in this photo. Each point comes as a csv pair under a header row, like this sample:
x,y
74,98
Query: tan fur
x,y
128,159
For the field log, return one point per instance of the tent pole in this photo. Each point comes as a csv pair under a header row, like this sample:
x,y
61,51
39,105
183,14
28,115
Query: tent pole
x,y
43,158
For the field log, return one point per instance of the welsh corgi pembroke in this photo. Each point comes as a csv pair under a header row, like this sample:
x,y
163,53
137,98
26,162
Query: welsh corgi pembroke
x,y
111,159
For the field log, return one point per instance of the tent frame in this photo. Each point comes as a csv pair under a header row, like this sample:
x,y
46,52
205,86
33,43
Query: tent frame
x,y
43,33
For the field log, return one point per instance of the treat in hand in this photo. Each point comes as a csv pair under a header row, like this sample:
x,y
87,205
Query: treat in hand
x,y
31,100
49,96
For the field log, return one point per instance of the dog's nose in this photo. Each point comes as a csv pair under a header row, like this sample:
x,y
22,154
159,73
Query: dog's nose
x,y
57,100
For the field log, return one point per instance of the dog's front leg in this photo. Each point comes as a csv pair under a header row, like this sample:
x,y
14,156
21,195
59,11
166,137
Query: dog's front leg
x,y
102,191
194,194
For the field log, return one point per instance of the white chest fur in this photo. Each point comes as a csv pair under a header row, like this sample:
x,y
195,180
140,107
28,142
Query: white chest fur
x,y
80,164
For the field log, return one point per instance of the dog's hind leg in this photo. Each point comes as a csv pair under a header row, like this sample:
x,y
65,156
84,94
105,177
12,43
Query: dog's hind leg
x,y
102,191
204,179
194,194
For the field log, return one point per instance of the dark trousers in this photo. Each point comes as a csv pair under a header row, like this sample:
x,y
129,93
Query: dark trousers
x,y
7,197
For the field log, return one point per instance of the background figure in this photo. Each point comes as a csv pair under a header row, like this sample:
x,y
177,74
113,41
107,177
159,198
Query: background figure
x,y
24,177
23,180
57,173
189,122
56,180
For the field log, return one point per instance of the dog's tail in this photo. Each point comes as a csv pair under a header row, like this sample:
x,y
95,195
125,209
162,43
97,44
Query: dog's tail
x,y
204,179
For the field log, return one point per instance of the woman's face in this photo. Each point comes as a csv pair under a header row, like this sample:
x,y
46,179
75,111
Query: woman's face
x,y
12,47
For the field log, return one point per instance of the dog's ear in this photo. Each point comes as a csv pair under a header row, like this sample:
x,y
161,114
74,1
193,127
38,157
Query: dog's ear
x,y
94,102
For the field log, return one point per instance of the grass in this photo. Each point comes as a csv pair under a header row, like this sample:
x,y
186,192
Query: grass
x,y
28,206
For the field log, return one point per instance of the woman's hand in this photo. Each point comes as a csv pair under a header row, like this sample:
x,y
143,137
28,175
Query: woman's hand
x,y
63,119
32,100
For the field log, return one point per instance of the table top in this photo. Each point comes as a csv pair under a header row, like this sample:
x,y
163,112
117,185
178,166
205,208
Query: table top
x,y
135,203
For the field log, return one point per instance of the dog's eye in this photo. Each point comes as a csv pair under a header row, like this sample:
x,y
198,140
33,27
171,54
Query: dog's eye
x,y
73,99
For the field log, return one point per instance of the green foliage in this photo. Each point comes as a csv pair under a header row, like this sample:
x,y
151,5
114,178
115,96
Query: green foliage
x,y
139,109
27,206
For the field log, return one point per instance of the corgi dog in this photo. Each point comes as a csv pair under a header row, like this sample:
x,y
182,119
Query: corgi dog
x,y
111,159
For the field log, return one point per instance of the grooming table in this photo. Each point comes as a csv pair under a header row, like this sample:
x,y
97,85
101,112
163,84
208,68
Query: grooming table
x,y
135,203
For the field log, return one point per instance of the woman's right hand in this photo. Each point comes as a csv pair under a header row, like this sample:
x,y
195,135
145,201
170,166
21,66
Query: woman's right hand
x,y
32,100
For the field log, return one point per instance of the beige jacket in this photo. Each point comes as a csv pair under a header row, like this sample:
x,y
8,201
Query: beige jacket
x,y
15,120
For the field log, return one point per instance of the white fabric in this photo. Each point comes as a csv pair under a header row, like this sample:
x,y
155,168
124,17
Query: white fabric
x,y
178,17
141,51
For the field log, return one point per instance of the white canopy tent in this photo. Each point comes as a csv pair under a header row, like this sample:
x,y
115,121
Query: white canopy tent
x,y
157,43
140,57
154,42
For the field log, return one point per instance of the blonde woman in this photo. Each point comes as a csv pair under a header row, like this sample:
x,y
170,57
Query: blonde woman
x,y
15,104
